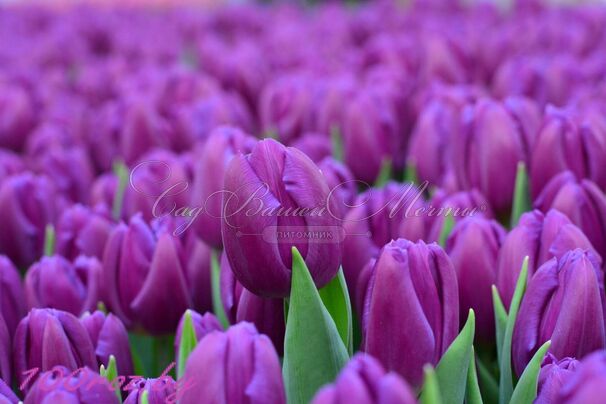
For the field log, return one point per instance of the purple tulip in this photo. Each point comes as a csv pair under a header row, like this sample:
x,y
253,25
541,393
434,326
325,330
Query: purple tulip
x,y
582,201
203,325
222,144
6,394
17,117
473,247
495,138
65,385
317,146
27,204
57,283
5,352
239,365
49,337
196,257
10,164
564,303
241,305
554,374
412,303
274,195
159,391
364,381
378,216
540,237
12,297
109,337
82,231
145,277
587,384
341,183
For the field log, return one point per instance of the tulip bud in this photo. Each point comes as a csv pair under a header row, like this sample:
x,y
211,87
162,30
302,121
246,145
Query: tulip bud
x,y
17,117
196,258
473,247
222,144
27,205
364,381
6,394
109,337
203,325
412,302
554,374
236,366
582,201
12,298
496,137
341,183
5,352
564,303
55,282
539,237
49,337
241,305
278,199
61,385
587,384
82,231
378,216
159,391
316,146
145,277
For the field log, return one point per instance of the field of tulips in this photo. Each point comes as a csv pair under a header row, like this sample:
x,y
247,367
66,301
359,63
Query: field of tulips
x,y
375,203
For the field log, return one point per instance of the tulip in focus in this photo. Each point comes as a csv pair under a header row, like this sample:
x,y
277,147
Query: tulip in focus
x,y
553,375
159,391
203,325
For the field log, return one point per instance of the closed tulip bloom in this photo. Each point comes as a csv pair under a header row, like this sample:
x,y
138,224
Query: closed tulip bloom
x,y
317,146
564,303
238,365
582,201
341,183
241,305
473,246
60,284
49,337
6,394
587,384
203,325
145,277
12,297
65,385
17,117
109,337
222,144
27,204
496,137
273,192
159,391
83,231
364,381
412,303
554,374
196,259
5,352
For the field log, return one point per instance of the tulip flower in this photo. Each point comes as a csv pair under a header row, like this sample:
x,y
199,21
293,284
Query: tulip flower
x,y
222,144
6,394
17,116
341,183
203,325
540,237
365,381
587,384
276,199
65,385
82,231
495,138
412,303
5,352
582,201
109,337
159,391
49,337
377,217
12,297
57,283
236,366
241,305
554,374
196,257
473,247
316,146
564,303
10,164
145,277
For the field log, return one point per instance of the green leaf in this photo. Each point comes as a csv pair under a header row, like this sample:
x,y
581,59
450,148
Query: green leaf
x,y
336,300
337,143
430,393
49,240
488,384
111,373
521,196
452,368
410,173
472,393
187,343
145,397
384,174
313,350
215,279
121,171
506,378
526,389
500,316
447,226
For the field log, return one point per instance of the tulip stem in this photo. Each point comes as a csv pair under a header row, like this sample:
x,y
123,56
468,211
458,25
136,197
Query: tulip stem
x,y
49,240
215,281
384,173
337,143
121,171
521,196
